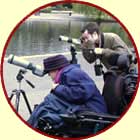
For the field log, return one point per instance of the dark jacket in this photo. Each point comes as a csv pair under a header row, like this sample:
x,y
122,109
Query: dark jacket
x,y
76,87
75,92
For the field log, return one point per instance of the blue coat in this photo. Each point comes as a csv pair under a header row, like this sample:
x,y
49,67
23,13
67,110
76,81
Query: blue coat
x,y
76,92
76,87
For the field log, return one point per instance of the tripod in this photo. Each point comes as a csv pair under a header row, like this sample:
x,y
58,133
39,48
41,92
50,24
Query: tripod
x,y
19,91
73,54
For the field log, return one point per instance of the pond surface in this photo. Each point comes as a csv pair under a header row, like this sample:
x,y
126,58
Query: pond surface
x,y
35,37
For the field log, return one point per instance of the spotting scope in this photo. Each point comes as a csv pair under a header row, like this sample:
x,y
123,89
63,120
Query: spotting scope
x,y
18,61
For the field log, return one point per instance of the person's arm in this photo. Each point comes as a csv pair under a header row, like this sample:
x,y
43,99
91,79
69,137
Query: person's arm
x,y
114,46
78,87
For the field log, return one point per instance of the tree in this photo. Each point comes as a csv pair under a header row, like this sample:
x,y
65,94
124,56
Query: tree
x,y
90,11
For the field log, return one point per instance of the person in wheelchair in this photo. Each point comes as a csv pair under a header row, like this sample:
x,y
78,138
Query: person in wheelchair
x,y
73,91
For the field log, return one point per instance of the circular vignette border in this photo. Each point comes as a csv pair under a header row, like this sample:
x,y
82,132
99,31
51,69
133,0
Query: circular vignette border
x,y
53,4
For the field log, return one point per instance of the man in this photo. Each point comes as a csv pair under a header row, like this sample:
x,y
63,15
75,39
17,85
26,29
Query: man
x,y
106,46
73,91
111,51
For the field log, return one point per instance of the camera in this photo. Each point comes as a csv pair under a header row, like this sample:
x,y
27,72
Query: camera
x,y
98,67
70,40
36,69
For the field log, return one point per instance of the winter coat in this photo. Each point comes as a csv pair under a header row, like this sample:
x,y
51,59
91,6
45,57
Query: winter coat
x,y
76,92
76,87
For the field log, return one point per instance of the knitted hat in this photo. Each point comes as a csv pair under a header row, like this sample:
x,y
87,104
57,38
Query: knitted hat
x,y
54,63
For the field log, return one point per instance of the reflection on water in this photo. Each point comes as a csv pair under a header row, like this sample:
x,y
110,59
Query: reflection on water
x,y
35,37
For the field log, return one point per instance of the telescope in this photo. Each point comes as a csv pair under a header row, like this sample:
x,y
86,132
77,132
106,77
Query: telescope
x,y
36,69
70,40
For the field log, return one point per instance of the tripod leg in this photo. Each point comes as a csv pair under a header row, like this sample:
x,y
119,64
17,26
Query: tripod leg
x,y
13,93
17,100
73,54
26,100
10,98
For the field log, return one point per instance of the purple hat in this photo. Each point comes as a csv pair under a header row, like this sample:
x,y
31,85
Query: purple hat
x,y
54,63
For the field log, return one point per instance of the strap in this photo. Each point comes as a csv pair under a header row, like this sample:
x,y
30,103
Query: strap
x,y
102,40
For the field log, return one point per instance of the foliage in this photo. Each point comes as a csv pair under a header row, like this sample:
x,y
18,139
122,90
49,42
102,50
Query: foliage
x,y
46,10
90,11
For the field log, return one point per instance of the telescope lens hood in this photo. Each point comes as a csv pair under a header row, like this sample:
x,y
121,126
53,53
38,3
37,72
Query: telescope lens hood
x,y
10,58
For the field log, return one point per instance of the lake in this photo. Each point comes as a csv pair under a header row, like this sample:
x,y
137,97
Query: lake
x,y
40,35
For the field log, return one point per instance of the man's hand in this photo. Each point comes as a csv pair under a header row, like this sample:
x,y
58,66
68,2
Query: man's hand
x,y
98,51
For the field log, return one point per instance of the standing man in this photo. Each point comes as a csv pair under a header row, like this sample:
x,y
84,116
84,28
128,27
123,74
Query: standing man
x,y
106,46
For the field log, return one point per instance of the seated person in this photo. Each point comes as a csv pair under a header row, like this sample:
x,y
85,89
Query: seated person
x,y
74,91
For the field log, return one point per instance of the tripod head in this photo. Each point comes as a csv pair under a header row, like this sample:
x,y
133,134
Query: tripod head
x,y
20,77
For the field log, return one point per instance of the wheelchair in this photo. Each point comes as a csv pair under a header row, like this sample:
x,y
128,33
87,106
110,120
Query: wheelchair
x,y
118,92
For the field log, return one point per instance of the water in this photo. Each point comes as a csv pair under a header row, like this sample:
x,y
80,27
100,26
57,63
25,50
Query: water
x,y
41,36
